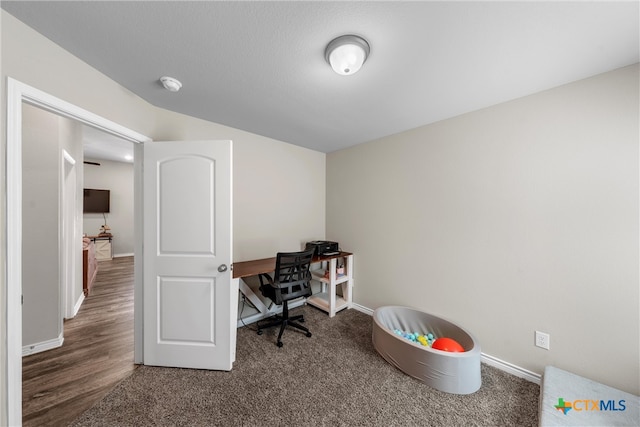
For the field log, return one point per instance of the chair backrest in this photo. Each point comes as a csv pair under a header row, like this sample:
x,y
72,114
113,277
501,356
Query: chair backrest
x,y
292,274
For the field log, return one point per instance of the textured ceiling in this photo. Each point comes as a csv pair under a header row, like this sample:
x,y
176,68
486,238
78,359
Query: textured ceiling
x,y
103,146
259,66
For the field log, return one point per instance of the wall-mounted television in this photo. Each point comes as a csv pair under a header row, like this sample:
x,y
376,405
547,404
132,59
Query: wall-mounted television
x,y
96,201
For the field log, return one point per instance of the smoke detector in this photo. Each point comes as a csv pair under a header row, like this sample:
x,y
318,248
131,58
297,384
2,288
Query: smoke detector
x,y
170,84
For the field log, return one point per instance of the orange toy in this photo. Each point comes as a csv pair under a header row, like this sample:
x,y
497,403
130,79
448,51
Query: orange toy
x,y
447,344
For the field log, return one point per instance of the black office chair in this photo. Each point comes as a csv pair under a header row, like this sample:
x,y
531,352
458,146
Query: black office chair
x,y
292,279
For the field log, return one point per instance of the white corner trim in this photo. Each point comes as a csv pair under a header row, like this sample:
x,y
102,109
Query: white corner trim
x,y
507,367
68,157
42,346
12,366
77,305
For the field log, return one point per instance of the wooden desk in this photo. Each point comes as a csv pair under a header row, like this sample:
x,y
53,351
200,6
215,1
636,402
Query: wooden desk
x,y
326,300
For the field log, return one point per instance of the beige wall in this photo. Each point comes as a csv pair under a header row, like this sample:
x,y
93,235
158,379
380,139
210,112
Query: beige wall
x,y
262,169
261,165
515,218
117,177
41,315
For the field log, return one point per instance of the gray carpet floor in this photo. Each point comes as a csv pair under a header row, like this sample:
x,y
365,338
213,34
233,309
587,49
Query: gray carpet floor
x,y
333,378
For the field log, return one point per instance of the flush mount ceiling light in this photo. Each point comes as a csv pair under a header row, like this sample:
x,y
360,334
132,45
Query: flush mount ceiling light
x,y
346,54
170,84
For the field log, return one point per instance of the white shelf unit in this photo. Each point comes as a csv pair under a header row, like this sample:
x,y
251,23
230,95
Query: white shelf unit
x,y
328,300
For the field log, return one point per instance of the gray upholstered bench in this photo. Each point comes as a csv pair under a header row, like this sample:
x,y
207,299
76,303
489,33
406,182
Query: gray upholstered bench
x,y
567,399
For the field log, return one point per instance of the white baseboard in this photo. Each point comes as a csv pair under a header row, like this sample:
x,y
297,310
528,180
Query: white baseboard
x,y
76,307
363,309
122,255
42,346
511,368
485,358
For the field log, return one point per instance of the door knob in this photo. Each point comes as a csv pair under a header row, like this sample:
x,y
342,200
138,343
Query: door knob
x,y
222,268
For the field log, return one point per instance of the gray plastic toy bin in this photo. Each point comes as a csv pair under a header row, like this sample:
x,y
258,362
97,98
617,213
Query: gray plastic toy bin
x,y
457,373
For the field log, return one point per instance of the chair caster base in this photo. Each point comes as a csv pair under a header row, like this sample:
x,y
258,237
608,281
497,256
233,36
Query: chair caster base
x,y
280,344
259,331
308,334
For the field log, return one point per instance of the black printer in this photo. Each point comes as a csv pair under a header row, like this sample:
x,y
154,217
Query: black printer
x,y
323,247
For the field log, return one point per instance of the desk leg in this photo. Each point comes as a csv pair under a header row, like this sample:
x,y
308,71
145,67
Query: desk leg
x,y
251,296
263,310
332,287
257,302
324,266
347,287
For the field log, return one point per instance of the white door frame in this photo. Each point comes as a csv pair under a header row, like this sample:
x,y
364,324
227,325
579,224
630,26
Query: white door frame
x,y
17,93
69,241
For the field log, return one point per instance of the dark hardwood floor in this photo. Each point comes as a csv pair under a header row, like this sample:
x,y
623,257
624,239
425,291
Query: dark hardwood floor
x,y
60,384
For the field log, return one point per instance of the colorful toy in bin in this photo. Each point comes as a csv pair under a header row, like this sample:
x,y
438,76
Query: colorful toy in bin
x,y
423,339
447,344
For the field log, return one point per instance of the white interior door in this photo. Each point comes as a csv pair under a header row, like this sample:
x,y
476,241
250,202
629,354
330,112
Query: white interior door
x,y
190,308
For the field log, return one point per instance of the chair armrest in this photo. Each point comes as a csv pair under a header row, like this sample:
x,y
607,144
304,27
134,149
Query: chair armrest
x,y
268,288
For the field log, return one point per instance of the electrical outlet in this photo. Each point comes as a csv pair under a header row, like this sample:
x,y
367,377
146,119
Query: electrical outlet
x,y
542,340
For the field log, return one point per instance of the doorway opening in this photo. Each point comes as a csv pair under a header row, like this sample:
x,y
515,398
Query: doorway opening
x,y
56,221
17,94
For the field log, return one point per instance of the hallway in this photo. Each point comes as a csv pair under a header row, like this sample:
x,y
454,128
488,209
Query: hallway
x,y
60,384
